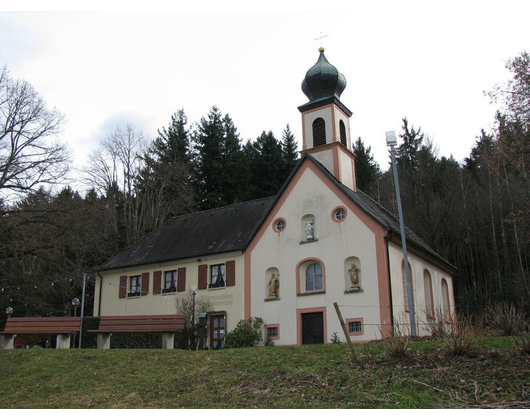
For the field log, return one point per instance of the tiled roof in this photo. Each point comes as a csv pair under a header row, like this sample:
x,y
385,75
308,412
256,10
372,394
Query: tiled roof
x,y
231,228
210,232
381,215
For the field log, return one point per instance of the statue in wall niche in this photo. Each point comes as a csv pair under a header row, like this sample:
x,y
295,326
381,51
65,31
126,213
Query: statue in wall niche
x,y
354,277
274,286
310,230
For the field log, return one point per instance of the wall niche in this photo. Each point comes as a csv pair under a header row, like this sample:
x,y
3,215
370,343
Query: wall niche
x,y
352,275
308,229
272,284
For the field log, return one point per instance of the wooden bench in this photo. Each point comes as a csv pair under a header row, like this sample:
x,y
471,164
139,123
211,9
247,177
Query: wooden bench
x,y
62,327
165,324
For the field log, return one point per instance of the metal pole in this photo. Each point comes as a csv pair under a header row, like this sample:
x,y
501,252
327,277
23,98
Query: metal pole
x,y
82,309
345,330
404,246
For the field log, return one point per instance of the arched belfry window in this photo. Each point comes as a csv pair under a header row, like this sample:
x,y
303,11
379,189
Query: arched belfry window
x,y
342,128
319,132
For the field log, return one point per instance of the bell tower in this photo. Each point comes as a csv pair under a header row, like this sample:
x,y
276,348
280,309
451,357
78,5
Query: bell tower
x,y
326,121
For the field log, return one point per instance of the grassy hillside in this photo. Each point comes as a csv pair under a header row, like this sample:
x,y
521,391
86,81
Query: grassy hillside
x,y
317,376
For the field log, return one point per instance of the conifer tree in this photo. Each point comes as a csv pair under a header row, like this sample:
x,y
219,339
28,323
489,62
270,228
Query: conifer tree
x,y
407,152
366,169
217,166
164,187
268,165
289,149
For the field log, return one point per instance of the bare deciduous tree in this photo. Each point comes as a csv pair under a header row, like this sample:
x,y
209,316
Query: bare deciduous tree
x,y
29,153
113,171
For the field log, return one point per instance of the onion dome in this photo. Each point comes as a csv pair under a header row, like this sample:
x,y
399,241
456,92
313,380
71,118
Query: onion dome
x,y
323,80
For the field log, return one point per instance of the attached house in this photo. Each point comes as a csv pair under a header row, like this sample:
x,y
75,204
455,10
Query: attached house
x,y
289,258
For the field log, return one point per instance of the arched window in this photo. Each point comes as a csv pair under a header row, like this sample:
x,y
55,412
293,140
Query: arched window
x,y
427,285
319,132
310,277
342,129
313,278
446,308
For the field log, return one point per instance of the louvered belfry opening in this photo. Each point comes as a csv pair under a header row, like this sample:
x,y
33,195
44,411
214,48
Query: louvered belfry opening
x,y
343,133
319,132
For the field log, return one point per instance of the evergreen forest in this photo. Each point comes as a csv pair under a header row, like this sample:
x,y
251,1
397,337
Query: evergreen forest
x,y
475,213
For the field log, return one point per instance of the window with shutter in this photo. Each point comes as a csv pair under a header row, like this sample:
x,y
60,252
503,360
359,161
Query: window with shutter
x,y
123,287
170,281
203,276
157,282
145,284
231,273
135,286
181,279
217,276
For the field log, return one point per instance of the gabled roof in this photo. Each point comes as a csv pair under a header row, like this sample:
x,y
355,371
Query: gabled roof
x,y
231,228
225,229
381,215
373,209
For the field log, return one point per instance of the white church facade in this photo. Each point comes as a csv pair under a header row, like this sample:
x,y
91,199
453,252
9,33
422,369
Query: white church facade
x,y
288,259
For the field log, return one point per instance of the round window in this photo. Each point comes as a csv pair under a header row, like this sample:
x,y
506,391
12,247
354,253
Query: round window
x,y
279,225
340,214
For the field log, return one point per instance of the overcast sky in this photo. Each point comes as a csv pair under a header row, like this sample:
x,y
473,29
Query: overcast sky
x,y
428,61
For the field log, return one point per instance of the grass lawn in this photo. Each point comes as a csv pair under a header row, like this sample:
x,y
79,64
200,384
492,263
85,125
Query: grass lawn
x,y
317,376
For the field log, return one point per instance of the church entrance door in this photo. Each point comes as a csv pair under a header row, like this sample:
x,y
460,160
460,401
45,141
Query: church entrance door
x,y
313,328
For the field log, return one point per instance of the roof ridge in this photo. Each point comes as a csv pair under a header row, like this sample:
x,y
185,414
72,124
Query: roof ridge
x,y
218,208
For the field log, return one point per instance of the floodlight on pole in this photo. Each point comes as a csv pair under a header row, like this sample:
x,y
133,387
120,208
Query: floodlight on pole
x,y
391,141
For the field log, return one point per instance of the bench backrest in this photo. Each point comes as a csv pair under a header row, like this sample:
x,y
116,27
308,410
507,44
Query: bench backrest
x,y
39,325
141,323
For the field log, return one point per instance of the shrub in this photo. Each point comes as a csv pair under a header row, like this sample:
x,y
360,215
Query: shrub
x,y
522,340
246,334
505,318
462,335
436,324
398,342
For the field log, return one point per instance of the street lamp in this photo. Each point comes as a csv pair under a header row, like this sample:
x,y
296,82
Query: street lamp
x,y
391,142
75,303
9,311
193,291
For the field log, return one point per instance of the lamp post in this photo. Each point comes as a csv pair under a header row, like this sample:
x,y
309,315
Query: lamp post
x,y
75,303
9,311
193,291
391,142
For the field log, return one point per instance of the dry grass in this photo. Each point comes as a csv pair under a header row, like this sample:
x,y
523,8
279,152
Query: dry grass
x,y
494,375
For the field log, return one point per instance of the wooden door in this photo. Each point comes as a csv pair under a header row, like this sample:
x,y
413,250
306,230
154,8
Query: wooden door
x,y
313,328
217,331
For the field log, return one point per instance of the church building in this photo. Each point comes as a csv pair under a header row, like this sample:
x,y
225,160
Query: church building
x,y
288,259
